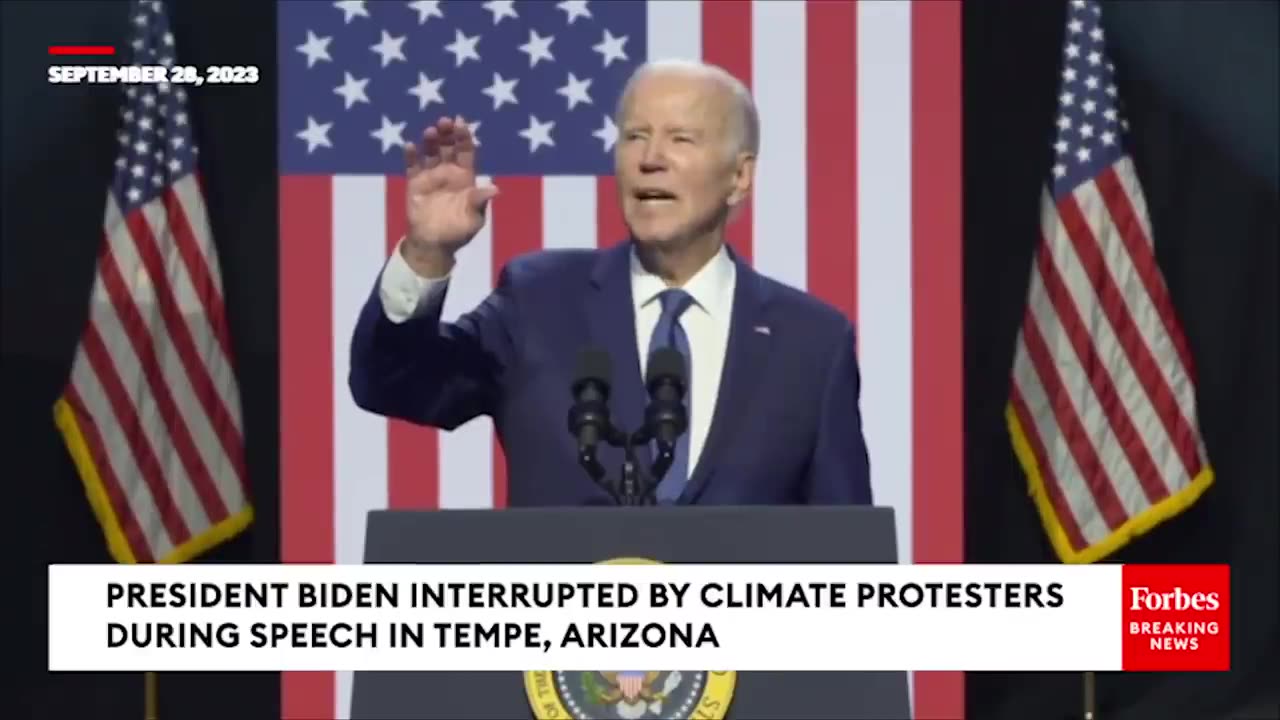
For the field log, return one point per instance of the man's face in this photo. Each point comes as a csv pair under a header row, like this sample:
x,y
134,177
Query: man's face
x,y
676,163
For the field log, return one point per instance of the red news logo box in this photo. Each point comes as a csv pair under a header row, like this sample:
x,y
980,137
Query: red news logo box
x,y
1177,617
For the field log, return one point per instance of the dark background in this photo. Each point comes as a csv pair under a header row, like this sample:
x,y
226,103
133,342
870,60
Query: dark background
x,y
1200,80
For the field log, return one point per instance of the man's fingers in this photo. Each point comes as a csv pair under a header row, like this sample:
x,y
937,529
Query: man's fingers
x,y
479,197
410,158
465,147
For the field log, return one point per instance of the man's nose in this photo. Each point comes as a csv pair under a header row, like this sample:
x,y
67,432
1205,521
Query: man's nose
x,y
654,158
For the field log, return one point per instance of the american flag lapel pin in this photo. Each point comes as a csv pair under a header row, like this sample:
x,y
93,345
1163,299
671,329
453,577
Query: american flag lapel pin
x,y
762,329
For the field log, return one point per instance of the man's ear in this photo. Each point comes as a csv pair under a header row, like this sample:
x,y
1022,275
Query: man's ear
x,y
743,179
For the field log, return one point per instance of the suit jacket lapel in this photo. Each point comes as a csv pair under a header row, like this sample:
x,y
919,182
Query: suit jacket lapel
x,y
612,324
745,361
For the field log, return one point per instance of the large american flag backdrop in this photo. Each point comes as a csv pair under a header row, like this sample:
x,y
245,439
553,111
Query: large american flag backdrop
x,y
857,200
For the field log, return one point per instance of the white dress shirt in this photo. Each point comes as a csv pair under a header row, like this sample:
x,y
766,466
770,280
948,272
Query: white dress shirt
x,y
405,294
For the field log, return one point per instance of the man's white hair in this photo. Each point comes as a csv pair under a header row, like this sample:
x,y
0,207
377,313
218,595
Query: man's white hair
x,y
745,120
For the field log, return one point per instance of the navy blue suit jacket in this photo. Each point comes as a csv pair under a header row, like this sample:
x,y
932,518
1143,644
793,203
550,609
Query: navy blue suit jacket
x,y
786,429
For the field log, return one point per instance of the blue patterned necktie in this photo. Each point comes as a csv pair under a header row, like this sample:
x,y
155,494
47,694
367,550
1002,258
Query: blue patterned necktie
x,y
669,333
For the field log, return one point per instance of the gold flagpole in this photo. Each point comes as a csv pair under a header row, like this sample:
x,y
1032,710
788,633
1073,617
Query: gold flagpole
x,y
151,699
1090,696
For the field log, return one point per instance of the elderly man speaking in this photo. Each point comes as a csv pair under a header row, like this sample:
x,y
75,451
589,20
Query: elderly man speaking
x,y
772,379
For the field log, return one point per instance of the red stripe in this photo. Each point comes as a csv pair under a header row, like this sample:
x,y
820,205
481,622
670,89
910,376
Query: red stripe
x,y
1100,379
517,230
1130,339
413,451
937,494
202,281
126,417
111,484
1142,253
611,226
202,386
81,50
831,115
726,41
306,406
1069,425
142,342
1052,486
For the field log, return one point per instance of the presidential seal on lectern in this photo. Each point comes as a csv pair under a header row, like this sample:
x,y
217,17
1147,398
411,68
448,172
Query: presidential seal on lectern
x,y
630,694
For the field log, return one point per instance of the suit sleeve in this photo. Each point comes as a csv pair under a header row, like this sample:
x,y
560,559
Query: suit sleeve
x,y
840,472
411,366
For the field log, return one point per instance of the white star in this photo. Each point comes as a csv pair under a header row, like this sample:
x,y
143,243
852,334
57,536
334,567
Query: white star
x,y
166,61
180,119
611,48
390,134
538,48
167,38
427,90
574,9
174,165
501,9
608,133
1061,147
1064,122
352,90
575,91
157,180
1108,137
351,9
426,9
1059,170
1077,4
137,171
134,194
315,48
1069,74
1089,107
1095,58
1082,154
1091,82
1096,34
1111,90
1075,26
538,134
474,128
1124,125
463,48
141,146
1073,50
390,48
316,134
137,44
1109,114
176,142
1066,99
144,124
502,91
149,99
1086,130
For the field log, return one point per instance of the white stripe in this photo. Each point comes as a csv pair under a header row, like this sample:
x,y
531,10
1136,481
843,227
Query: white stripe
x,y
210,356
1128,177
569,211
884,253
1139,303
192,203
780,206
1137,405
673,29
1075,383
466,454
1058,455
124,358
119,455
360,438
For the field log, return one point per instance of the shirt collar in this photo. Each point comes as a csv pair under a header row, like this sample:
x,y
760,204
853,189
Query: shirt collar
x,y
709,287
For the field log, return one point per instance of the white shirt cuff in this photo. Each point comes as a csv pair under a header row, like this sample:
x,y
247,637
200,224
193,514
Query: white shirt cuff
x,y
404,293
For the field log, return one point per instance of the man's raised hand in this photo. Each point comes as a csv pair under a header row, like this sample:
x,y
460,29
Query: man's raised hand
x,y
445,207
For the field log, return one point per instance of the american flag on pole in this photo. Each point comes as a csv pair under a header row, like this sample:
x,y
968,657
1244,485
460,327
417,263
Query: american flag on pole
x,y
1102,409
151,412
857,201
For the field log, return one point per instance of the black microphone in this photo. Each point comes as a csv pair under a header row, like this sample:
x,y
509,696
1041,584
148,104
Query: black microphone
x,y
589,414
666,417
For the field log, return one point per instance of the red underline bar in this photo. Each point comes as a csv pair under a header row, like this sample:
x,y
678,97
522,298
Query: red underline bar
x,y
81,50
